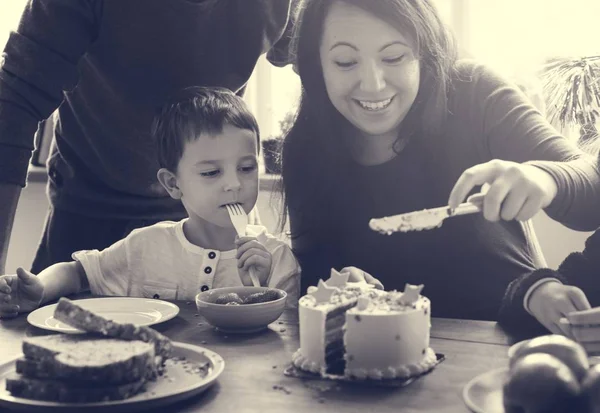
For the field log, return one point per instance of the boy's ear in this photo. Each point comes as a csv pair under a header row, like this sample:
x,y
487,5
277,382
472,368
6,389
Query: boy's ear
x,y
169,181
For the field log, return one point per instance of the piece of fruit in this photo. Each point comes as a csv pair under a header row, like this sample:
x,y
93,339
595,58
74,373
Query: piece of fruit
x,y
563,348
541,383
262,297
590,390
228,299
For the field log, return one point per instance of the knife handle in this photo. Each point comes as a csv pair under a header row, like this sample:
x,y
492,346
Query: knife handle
x,y
473,205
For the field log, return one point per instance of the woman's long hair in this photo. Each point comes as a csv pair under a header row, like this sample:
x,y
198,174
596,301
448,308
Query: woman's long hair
x,y
317,146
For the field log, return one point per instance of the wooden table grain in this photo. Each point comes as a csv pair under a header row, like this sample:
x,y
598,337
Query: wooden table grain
x,y
253,379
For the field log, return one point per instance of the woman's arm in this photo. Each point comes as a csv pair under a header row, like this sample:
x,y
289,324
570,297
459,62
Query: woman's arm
x,y
514,130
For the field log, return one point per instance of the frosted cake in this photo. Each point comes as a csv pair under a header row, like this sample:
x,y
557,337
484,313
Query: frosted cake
x,y
357,331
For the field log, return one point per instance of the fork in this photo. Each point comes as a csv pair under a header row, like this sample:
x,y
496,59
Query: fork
x,y
239,219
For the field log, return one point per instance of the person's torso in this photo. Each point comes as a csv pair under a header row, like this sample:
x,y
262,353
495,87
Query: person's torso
x,y
146,50
162,263
465,265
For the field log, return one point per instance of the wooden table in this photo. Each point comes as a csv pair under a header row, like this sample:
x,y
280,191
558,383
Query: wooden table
x,y
253,380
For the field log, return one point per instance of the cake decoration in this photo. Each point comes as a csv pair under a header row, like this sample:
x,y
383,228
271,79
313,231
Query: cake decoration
x,y
323,292
337,279
411,294
339,320
363,303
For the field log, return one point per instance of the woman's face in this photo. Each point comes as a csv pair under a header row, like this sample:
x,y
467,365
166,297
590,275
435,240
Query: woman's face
x,y
370,71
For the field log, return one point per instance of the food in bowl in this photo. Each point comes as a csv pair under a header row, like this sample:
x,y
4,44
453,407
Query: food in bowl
x,y
254,298
241,309
229,299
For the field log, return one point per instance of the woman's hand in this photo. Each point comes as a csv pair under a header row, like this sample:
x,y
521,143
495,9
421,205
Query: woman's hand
x,y
516,191
552,301
20,293
358,275
251,253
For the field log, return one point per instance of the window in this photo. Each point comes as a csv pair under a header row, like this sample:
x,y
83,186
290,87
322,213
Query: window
x,y
10,12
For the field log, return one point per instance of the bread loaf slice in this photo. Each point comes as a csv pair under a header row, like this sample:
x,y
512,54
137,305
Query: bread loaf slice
x,y
86,358
70,313
70,391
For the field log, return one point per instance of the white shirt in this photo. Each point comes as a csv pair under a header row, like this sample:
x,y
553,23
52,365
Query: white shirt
x,y
159,262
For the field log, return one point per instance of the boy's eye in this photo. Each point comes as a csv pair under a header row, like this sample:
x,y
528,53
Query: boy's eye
x,y
346,64
248,168
210,174
394,59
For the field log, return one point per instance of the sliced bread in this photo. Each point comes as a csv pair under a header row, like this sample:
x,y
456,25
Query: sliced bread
x,y
70,391
70,313
86,358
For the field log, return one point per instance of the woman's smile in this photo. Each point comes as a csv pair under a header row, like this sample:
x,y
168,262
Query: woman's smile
x,y
374,105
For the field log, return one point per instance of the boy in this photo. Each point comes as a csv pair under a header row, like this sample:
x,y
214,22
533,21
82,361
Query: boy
x,y
208,144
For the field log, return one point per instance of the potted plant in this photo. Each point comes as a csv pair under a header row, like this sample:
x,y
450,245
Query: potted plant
x,y
272,146
572,92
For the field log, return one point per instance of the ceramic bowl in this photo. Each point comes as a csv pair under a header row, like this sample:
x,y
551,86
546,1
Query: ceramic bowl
x,y
243,318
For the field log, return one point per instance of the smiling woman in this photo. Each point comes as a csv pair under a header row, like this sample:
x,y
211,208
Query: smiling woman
x,y
371,77
391,121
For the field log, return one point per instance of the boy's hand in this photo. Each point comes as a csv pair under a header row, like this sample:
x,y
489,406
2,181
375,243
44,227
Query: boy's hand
x,y
19,293
251,253
552,301
358,275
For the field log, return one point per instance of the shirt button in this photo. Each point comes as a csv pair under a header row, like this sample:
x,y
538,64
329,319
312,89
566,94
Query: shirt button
x,y
207,270
212,255
204,288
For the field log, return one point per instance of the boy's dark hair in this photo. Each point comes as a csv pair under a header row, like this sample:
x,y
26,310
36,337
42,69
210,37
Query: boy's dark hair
x,y
194,111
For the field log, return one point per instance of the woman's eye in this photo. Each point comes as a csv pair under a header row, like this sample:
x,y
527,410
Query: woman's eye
x,y
248,168
345,64
210,174
394,59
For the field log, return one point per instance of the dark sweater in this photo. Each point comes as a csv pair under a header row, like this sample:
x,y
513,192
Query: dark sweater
x,y
117,61
468,263
580,269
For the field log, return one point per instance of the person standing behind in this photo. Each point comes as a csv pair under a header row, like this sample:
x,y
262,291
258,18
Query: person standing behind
x,y
208,145
390,121
107,66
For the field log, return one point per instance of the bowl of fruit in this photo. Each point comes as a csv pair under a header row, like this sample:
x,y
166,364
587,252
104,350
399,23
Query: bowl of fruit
x,y
241,309
551,374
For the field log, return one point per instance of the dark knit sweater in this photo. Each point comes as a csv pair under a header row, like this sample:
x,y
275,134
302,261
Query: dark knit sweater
x,y
580,269
110,65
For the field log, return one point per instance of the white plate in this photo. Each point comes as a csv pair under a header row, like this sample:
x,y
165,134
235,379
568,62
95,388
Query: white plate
x,y
178,383
483,394
138,311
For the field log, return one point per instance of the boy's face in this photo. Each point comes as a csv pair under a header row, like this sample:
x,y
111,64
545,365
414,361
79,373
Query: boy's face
x,y
216,170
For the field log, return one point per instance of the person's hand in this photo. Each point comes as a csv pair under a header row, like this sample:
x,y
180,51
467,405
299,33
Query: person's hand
x,y
358,275
585,328
251,253
516,191
552,301
19,293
